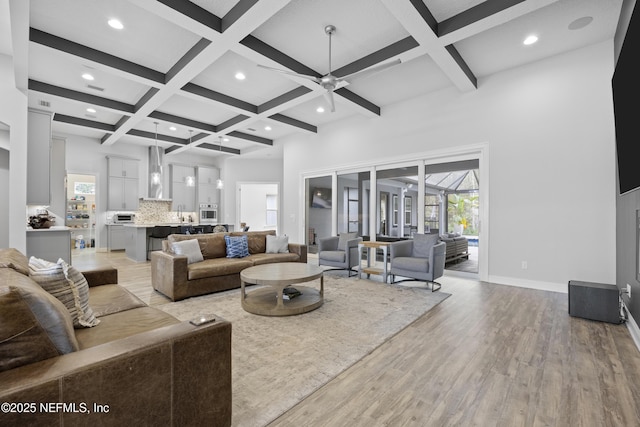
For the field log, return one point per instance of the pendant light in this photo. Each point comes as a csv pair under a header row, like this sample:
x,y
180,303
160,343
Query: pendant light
x,y
156,175
219,182
190,179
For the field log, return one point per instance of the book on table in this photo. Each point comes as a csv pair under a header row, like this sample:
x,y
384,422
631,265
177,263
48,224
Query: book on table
x,y
290,293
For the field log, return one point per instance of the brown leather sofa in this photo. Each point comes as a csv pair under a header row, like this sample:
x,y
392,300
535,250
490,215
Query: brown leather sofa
x,y
138,366
174,277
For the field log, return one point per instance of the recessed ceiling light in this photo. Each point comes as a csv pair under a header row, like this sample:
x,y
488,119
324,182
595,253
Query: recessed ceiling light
x,y
225,139
240,75
267,128
87,76
115,23
173,128
580,23
530,40
320,109
91,110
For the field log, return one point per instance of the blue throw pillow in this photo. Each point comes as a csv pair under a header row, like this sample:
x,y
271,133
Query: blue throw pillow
x,y
237,246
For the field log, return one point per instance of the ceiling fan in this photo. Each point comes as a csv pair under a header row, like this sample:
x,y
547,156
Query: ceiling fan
x,y
331,82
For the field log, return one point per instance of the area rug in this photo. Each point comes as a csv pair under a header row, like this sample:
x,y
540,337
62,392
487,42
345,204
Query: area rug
x,y
278,361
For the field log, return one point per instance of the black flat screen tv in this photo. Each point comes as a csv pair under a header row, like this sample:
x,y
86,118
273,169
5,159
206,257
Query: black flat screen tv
x,y
321,198
626,94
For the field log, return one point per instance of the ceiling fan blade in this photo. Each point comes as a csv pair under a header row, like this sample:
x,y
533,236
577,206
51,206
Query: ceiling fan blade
x,y
329,97
370,71
291,73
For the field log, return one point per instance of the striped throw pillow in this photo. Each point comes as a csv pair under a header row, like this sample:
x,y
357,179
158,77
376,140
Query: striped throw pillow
x,y
68,285
237,246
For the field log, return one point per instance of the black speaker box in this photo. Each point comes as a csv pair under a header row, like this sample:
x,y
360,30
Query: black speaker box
x,y
594,301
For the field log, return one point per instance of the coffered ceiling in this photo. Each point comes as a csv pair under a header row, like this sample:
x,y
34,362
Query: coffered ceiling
x,y
175,62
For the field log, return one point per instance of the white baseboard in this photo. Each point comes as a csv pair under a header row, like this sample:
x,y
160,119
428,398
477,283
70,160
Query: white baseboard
x,y
632,326
532,284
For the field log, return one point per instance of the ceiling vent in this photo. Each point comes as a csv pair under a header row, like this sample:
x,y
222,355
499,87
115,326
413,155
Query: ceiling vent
x,y
98,88
44,103
251,129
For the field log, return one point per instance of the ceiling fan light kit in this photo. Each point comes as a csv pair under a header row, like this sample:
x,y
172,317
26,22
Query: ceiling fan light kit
x,y
329,82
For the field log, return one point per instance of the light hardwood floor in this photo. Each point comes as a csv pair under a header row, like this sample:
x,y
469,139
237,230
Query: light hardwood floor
x,y
489,355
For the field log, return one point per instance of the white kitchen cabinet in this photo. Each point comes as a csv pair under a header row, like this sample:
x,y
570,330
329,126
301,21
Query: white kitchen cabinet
x,y
207,190
182,195
117,237
38,155
123,184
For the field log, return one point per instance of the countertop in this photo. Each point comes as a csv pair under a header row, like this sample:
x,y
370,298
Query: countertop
x,y
53,228
149,225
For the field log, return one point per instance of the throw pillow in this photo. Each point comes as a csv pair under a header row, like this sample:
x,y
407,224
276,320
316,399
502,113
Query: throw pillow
x,y
422,244
277,244
190,248
237,246
68,285
343,238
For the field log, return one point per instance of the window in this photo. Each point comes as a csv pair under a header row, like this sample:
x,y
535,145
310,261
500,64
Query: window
x,y
431,212
352,209
84,188
407,210
272,210
394,210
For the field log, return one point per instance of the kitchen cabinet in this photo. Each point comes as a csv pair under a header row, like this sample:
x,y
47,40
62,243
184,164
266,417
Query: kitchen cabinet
x,y
123,184
182,195
38,155
207,190
117,237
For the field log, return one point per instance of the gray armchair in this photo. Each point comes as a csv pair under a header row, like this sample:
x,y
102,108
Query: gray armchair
x,y
339,251
421,258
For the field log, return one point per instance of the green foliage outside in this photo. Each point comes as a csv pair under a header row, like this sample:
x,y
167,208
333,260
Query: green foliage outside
x,y
463,210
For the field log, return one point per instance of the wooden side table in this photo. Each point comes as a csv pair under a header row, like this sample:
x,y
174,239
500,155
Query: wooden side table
x,y
369,269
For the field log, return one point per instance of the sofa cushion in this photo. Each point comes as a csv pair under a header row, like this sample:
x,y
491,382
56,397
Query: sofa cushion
x,y
190,248
334,256
217,267
211,245
109,299
259,259
422,244
237,246
277,244
68,285
124,324
411,264
256,240
33,324
13,258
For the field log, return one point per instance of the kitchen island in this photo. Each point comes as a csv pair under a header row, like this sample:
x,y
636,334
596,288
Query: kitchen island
x,y
137,238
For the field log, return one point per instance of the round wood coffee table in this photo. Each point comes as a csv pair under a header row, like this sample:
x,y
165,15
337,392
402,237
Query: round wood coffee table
x,y
269,301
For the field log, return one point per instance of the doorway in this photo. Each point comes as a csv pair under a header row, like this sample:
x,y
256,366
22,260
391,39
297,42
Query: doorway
x,y
80,215
258,206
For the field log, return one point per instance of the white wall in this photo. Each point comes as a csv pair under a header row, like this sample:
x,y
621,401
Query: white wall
x,y
4,193
236,170
549,131
253,204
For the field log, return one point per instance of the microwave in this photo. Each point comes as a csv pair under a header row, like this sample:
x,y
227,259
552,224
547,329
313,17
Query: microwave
x,y
123,218
208,214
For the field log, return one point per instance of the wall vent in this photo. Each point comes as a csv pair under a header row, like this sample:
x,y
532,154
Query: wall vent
x,y
44,103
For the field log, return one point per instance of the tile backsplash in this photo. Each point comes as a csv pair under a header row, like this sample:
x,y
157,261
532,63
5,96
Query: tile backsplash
x,y
158,211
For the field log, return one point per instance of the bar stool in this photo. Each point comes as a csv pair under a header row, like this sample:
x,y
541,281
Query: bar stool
x,y
158,232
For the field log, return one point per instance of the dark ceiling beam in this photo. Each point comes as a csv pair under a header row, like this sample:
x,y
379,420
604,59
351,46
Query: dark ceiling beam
x,y
183,121
284,98
195,12
86,123
391,51
357,99
293,122
236,12
220,98
161,137
474,14
248,137
275,55
232,122
74,95
218,148
76,49
187,58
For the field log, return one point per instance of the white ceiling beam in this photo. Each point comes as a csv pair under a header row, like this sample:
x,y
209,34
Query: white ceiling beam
x,y
421,30
242,26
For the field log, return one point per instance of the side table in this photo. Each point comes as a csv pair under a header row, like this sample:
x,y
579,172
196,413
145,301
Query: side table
x,y
369,269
